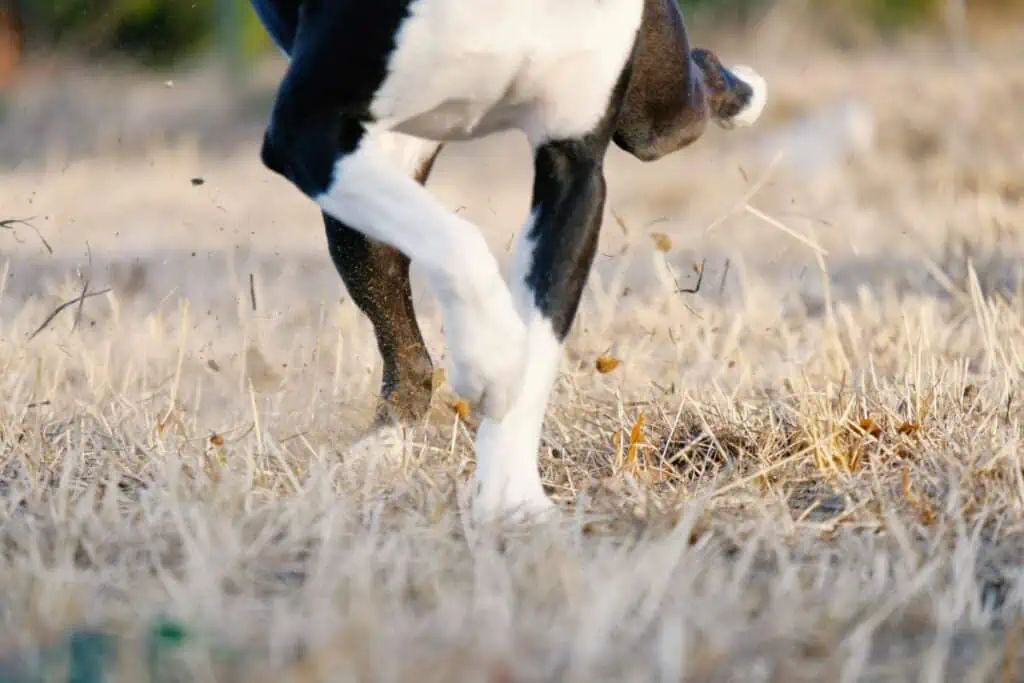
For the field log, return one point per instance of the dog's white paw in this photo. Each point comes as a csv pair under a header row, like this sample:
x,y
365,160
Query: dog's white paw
x,y
486,341
508,483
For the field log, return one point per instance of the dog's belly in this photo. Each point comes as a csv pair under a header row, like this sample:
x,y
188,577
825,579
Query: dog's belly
x,y
460,119
464,69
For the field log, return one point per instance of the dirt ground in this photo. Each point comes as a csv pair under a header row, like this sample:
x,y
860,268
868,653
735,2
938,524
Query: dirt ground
x,y
806,470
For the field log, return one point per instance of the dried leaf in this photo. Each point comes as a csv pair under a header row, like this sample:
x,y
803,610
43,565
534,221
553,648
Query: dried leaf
x,y
461,408
605,364
171,423
909,428
636,437
662,242
926,513
870,427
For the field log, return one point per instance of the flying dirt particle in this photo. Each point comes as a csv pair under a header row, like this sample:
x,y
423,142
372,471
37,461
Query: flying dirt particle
x,y
197,182
606,364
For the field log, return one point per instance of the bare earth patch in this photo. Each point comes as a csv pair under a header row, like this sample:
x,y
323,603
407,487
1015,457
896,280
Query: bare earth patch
x,y
807,470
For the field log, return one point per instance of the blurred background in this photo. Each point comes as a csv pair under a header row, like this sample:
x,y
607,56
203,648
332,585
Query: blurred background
x,y
165,32
168,32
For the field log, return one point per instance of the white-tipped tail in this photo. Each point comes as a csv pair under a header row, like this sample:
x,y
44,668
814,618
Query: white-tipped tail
x,y
752,112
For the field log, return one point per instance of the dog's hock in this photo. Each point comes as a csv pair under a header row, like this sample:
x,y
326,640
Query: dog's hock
x,y
752,112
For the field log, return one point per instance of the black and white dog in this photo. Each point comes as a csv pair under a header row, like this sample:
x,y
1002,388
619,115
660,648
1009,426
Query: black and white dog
x,y
373,90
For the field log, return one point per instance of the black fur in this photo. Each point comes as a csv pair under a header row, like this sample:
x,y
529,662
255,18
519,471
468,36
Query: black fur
x,y
568,199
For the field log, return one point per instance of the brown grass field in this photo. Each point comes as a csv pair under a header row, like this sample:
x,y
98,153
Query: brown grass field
x,y
807,470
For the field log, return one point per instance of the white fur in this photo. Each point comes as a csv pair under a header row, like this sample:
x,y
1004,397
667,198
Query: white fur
x,y
752,112
486,337
522,259
462,70
507,475
406,152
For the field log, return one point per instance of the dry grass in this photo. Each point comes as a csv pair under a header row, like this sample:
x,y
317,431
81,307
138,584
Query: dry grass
x,y
807,471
